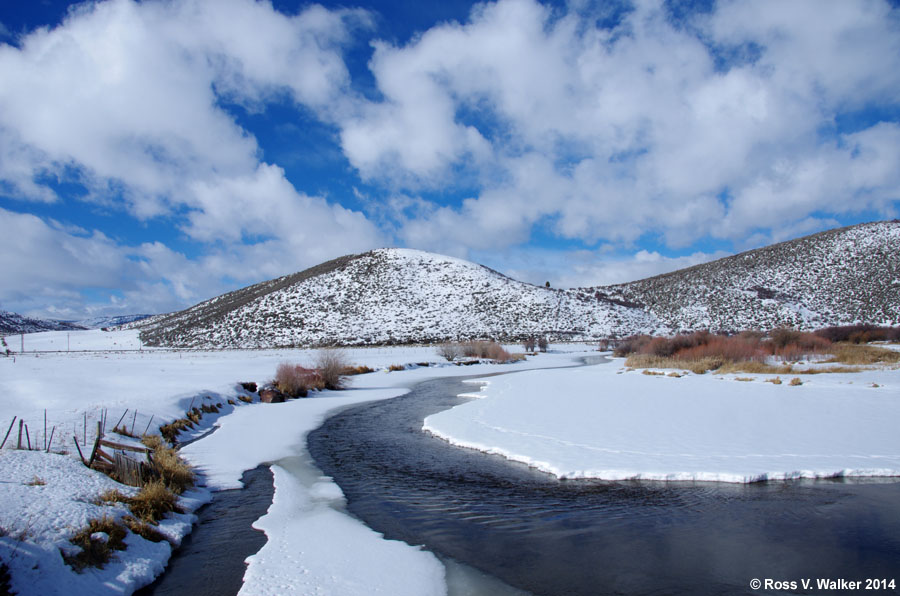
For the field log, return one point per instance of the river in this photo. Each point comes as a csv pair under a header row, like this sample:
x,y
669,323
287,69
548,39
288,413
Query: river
x,y
548,536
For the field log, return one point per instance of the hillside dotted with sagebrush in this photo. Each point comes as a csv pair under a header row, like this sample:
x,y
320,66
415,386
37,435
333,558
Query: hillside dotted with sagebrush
x,y
391,296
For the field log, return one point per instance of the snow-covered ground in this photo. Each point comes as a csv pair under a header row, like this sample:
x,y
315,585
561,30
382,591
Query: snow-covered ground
x,y
605,422
590,421
313,547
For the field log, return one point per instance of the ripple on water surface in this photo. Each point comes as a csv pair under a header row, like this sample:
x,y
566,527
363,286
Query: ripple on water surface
x,y
552,536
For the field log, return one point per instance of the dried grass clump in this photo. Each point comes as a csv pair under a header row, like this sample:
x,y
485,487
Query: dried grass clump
x,y
112,495
143,529
862,354
349,371
755,368
153,501
36,481
170,431
744,379
795,381
396,367
827,369
698,366
96,552
774,380
647,371
247,399
210,408
173,471
295,381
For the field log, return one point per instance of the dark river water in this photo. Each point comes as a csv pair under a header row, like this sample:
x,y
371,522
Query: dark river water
x,y
576,537
210,560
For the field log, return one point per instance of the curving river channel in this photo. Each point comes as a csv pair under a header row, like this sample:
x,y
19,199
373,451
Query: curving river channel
x,y
547,536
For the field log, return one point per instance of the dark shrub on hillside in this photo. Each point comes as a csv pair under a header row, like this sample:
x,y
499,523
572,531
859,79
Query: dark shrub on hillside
x,y
856,334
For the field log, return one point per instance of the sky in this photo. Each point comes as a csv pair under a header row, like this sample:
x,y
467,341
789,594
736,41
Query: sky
x,y
155,154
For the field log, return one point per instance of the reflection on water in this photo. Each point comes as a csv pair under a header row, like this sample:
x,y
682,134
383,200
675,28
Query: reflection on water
x,y
591,537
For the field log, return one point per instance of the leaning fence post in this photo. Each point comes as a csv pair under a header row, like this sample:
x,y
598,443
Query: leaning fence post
x,y
96,444
50,442
80,454
8,431
28,437
120,420
148,424
19,443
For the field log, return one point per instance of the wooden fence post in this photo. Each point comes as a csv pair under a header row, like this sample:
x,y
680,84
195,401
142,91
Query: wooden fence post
x,y
10,430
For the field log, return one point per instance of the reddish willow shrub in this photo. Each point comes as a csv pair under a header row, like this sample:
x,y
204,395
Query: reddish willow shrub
x,y
749,346
295,380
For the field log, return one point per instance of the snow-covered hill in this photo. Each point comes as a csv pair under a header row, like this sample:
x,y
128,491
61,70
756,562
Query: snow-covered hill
x,y
12,323
406,296
839,276
104,322
391,296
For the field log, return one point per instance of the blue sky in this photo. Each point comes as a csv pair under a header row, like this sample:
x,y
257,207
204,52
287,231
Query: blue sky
x,y
154,154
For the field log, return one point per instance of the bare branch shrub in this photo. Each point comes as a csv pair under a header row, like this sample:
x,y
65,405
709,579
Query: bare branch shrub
x,y
330,364
449,351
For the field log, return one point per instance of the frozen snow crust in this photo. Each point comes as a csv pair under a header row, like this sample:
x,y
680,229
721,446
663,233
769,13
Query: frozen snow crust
x,y
601,422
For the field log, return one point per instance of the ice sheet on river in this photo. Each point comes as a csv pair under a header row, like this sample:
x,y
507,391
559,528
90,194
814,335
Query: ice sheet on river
x,y
602,422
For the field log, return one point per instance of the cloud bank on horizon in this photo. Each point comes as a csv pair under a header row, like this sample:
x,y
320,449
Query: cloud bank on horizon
x,y
154,154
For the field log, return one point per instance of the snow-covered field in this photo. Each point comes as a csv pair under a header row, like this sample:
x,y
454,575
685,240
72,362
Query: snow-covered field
x,y
603,422
598,421
313,547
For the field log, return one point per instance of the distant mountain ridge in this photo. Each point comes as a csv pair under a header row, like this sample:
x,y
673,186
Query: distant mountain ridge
x,y
12,323
840,276
386,296
104,322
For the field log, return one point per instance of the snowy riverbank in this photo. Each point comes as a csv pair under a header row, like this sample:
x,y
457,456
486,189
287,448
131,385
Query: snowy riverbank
x,y
603,422
307,532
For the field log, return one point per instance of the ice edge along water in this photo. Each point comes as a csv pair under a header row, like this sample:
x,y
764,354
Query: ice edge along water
x,y
107,371
598,422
